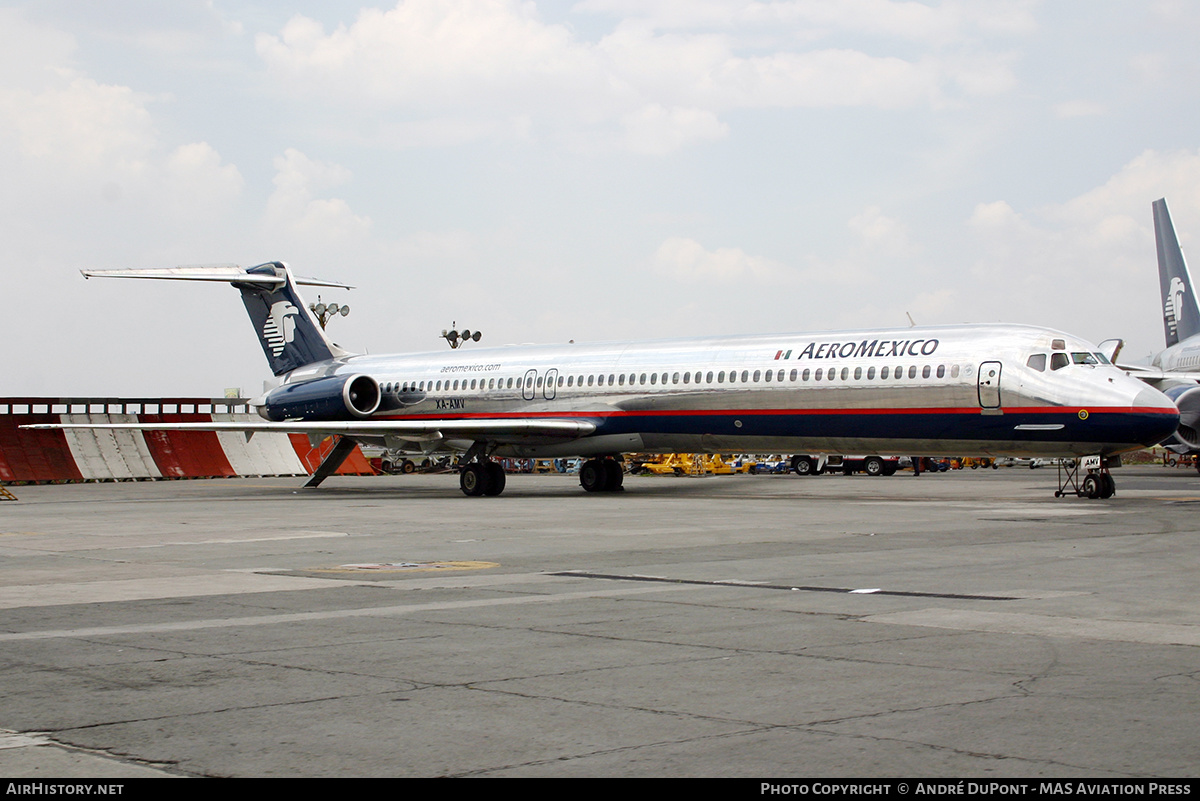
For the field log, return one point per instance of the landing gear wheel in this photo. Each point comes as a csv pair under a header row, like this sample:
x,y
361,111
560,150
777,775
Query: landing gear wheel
x,y
473,480
1090,486
495,478
614,475
1107,486
593,476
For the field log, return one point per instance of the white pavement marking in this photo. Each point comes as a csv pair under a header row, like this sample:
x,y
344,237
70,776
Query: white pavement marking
x,y
146,589
338,614
1046,626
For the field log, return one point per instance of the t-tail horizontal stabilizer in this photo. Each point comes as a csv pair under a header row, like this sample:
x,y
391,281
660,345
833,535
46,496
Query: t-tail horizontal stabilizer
x,y
286,329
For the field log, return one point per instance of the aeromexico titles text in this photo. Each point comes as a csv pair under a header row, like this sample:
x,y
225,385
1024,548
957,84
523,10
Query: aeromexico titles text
x,y
879,348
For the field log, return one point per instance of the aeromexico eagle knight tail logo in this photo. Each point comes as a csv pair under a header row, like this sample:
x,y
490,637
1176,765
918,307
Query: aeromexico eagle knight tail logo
x,y
1173,304
279,329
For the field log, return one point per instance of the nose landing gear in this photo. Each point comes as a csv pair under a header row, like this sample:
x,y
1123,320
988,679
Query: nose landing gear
x,y
1096,480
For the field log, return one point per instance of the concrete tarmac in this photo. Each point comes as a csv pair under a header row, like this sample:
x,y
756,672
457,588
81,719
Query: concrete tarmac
x,y
957,625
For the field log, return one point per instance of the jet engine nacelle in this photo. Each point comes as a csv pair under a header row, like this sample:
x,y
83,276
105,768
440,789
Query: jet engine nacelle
x,y
1187,437
332,398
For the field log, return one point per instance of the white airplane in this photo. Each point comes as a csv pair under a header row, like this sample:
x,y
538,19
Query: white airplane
x,y
1175,370
987,390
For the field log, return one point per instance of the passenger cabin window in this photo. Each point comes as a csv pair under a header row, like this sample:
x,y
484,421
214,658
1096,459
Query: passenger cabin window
x,y
1037,362
1058,361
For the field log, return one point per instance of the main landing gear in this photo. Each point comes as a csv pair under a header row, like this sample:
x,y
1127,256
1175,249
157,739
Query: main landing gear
x,y
479,475
484,477
1096,482
601,475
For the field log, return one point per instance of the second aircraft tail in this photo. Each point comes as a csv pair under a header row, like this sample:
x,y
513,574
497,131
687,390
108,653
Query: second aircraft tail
x,y
1181,318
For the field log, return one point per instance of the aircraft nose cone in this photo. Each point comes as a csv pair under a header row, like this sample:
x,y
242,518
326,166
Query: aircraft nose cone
x,y
1158,416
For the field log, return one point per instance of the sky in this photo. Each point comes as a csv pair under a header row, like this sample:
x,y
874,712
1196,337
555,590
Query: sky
x,y
585,170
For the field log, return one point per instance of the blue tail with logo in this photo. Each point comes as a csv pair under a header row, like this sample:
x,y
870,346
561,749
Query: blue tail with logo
x,y
1181,318
288,332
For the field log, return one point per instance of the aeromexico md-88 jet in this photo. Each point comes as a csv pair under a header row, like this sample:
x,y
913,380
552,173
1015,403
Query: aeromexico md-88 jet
x,y
987,390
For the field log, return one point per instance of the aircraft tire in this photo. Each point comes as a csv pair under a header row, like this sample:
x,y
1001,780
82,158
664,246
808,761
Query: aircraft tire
x,y
473,480
495,478
1090,486
1108,486
614,475
593,476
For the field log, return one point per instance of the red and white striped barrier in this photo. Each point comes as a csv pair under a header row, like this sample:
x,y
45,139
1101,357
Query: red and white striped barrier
x,y
108,455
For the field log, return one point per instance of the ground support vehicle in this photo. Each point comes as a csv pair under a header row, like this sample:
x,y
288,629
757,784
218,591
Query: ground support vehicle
x,y
815,464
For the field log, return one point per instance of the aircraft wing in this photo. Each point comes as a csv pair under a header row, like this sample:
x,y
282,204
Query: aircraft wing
x,y
422,430
1154,375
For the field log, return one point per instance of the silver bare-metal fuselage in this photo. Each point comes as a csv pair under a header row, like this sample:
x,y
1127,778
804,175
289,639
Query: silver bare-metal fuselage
x,y
954,390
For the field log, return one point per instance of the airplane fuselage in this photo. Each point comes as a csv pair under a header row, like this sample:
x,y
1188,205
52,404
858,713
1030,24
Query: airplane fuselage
x,y
954,390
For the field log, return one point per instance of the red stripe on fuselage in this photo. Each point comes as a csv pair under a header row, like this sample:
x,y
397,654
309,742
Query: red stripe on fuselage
x,y
722,412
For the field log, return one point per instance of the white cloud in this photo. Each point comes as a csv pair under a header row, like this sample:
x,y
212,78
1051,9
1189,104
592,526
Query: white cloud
x,y
881,234
68,141
655,130
687,260
295,212
903,19
482,63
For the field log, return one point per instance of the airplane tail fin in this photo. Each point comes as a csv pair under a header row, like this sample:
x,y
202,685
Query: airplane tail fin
x,y
286,329
1181,318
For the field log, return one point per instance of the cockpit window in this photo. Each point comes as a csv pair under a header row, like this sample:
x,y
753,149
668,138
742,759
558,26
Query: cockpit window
x,y
1038,362
1083,358
1103,359
1058,361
